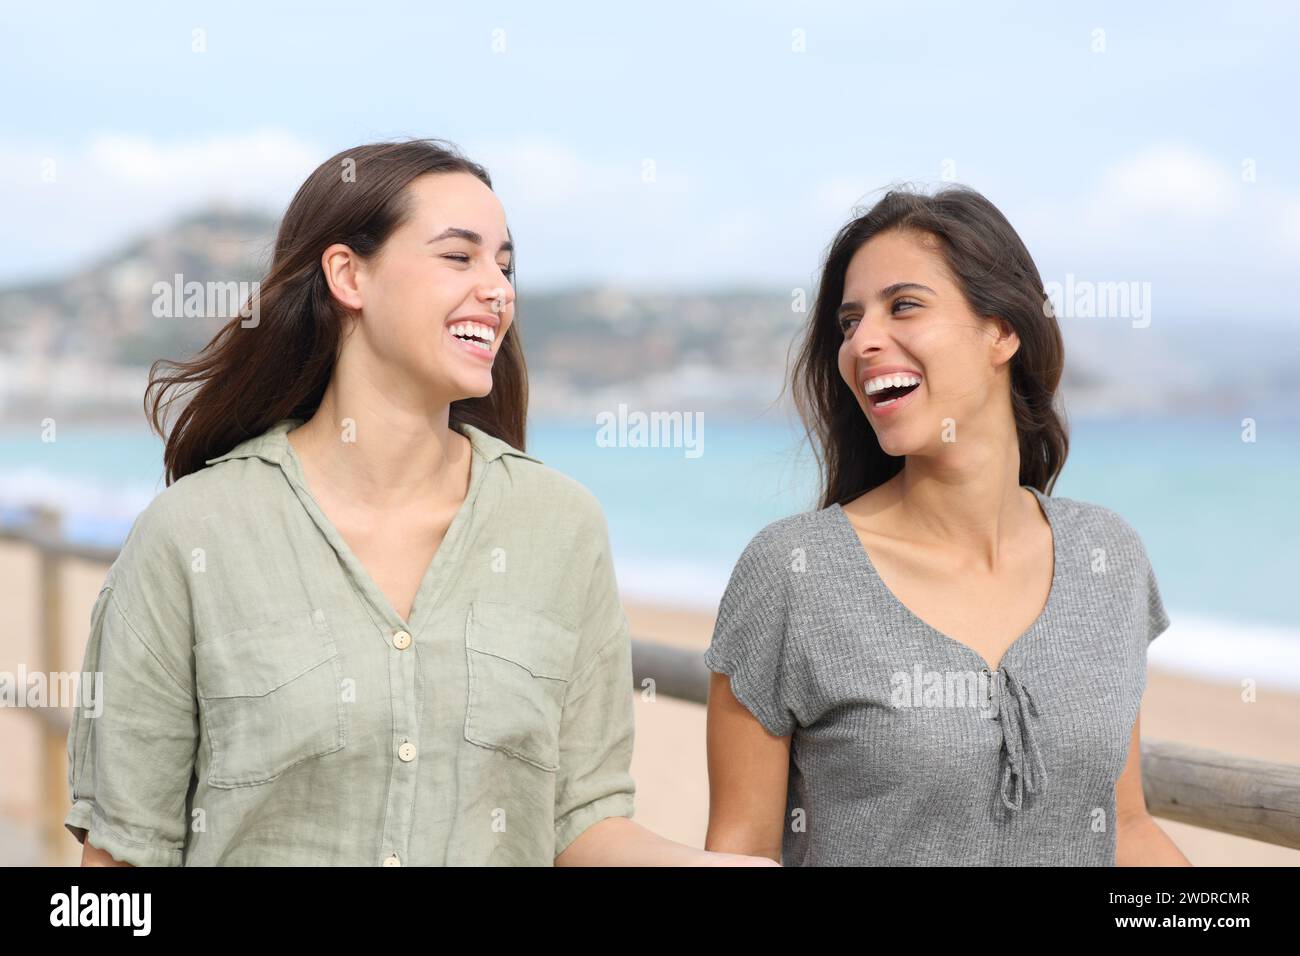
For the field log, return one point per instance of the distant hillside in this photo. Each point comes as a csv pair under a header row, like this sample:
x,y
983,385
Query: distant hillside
x,y
104,311
83,343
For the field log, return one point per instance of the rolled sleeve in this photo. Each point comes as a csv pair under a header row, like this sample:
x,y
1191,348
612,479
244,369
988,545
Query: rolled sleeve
x,y
597,727
1157,616
131,746
749,639
1145,591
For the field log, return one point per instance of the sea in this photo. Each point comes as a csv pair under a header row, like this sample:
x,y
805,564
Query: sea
x,y
1217,507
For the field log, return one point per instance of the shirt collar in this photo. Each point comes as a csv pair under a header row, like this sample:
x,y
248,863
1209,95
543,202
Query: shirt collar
x,y
272,444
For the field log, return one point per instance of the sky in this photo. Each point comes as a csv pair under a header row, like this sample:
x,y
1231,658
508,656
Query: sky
x,y
1126,142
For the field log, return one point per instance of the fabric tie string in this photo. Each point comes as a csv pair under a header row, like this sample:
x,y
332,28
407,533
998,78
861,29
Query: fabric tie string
x,y
1024,768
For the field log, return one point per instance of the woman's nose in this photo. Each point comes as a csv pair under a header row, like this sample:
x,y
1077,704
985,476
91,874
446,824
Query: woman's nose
x,y
868,336
499,297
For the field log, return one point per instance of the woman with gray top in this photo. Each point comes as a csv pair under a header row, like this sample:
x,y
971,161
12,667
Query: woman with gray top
x,y
943,665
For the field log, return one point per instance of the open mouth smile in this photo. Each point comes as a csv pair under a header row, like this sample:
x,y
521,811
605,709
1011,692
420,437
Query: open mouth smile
x,y
474,337
888,393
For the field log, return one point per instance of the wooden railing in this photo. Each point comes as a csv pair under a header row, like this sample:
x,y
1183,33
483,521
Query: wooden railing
x,y
42,533
1204,788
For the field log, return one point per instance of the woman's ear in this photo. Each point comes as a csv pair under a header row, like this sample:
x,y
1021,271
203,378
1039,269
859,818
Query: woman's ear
x,y
339,263
1006,341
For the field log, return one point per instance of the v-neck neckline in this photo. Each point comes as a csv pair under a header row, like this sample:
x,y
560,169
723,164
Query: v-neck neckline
x,y
427,594
864,557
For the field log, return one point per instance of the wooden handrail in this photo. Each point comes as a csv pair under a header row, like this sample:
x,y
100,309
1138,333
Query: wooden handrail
x,y
1219,791
1257,799
1206,788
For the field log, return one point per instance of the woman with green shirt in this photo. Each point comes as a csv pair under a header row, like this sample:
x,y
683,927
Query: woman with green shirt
x,y
361,626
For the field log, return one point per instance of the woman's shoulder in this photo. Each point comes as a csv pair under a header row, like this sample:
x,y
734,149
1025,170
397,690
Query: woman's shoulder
x,y
151,568
541,490
784,544
220,497
531,480
1094,524
794,530
175,509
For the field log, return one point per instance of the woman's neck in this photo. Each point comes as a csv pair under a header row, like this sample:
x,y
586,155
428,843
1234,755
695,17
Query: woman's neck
x,y
383,455
969,497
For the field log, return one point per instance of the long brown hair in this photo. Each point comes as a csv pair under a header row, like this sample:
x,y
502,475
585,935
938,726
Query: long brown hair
x,y
248,378
998,278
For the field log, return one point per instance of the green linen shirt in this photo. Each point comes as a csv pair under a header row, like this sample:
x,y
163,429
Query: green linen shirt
x,y
263,704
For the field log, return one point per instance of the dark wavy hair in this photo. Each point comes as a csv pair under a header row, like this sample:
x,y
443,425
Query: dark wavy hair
x,y
997,277
248,378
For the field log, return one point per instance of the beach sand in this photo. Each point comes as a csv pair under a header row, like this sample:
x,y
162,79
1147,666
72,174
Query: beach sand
x,y
669,763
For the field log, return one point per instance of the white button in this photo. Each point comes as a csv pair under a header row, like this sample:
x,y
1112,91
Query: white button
x,y
406,752
401,640
392,860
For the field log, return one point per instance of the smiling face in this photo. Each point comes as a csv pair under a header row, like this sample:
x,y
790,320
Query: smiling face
x,y
914,353
439,280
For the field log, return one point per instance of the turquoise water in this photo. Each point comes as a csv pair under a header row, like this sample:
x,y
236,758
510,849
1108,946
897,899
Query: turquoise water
x,y
1220,517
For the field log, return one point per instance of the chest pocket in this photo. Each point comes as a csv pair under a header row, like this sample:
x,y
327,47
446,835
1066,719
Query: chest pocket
x,y
519,665
270,698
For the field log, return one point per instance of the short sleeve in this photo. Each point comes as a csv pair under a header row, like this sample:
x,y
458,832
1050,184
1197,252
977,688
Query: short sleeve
x,y
134,731
594,779
1157,618
749,638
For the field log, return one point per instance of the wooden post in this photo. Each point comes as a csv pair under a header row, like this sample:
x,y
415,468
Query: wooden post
x,y
46,525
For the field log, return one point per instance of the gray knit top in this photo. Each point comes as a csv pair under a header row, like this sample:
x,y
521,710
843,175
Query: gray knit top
x,y
907,749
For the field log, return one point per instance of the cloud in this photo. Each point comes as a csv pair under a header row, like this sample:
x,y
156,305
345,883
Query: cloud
x,y
838,195
1160,213
1169,180
543,174
537,172
588,217
1288,224
73,204
251,167
1177,216
1168,213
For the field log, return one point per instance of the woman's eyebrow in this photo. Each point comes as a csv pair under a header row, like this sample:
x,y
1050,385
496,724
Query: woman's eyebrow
x,y
456,232
885,293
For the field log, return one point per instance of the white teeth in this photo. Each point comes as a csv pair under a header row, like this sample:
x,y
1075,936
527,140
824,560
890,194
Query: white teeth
x,y
462,330
880,383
